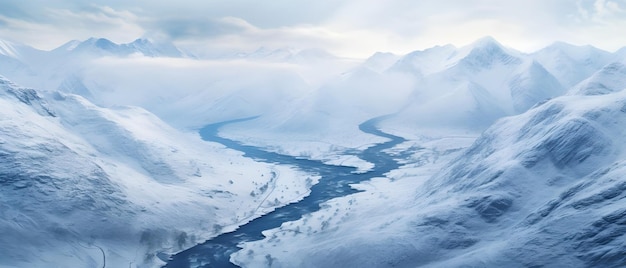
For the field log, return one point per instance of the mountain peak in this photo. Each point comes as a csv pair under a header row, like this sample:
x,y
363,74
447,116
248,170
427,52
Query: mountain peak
x,y
564,45
104,43
433,50
577,52
144,46
487,41
142,40
150,48
69,46
621,54
381,61
93,42
381,56
486,52
425,61
611,78
572,64
97,40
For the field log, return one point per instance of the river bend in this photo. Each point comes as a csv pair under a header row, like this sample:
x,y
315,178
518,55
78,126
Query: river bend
x,y
334,182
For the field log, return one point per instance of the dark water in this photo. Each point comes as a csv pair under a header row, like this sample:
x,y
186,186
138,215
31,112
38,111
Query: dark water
x,y
334,182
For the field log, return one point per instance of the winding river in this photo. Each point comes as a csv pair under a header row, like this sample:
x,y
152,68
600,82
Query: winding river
x,y
334,182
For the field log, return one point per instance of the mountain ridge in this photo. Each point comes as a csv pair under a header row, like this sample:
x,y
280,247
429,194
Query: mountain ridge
x,y
510,158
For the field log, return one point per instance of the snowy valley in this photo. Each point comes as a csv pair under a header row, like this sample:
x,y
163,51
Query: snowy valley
x,y
504,158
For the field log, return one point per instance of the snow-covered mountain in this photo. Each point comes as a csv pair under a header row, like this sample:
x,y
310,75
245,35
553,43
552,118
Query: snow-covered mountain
x,y
84,184
483,81
425,62
611,78
380,61
621,54
169,82
323,122
103,46
514,159
49,69
571,64
10,49
91,48
542,188
14,60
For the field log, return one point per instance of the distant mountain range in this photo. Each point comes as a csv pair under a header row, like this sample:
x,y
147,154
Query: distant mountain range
x,y
512,160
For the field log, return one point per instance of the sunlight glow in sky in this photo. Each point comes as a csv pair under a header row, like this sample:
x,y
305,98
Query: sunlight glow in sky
x,y
354,28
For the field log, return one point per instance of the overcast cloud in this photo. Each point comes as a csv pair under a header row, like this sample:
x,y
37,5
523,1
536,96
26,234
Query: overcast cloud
x,y
345,27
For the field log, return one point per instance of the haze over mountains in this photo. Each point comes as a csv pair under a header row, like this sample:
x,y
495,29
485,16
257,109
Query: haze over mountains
x,y
514,159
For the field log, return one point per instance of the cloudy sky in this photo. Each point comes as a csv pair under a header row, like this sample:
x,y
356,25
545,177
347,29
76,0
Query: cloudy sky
x,y
346,27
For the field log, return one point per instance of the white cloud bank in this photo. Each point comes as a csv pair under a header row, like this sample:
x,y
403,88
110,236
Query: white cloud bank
x,y
347,27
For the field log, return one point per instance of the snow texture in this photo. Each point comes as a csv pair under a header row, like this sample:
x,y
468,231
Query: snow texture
x,y
514,160
538,189
83,184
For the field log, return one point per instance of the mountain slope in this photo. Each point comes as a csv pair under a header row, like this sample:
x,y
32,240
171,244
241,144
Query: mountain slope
x,y
611,78
571,64
484,81
528,169
82,183
381,61
541,188
102,46
323,123
49,69
426,62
